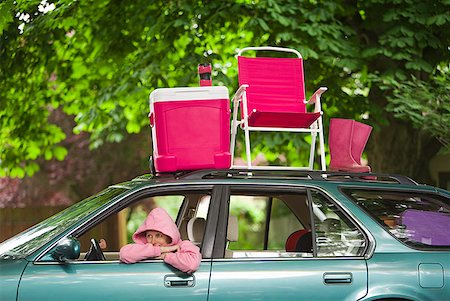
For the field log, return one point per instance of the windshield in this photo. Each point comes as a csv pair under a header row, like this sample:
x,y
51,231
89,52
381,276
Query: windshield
x,y
28,241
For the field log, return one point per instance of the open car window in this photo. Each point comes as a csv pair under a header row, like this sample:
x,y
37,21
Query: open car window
x,y
290,225
117,229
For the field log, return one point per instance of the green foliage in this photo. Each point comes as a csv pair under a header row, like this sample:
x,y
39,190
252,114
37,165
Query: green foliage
x,y
250,212
5,15
426,104
97,61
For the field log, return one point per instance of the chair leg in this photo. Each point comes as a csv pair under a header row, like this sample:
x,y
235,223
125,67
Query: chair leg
x,y
234,126
322,145
340,142
312,150
247,145
233,140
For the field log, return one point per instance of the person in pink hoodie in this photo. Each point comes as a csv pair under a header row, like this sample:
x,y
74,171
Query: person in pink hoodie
x,y
158,237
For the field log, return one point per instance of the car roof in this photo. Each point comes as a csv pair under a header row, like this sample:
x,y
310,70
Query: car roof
x,y
269,176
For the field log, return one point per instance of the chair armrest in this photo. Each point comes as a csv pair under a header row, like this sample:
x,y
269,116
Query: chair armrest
x,y
316,96
239,93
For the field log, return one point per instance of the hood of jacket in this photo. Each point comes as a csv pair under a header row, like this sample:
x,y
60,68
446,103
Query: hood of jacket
x,y
158,220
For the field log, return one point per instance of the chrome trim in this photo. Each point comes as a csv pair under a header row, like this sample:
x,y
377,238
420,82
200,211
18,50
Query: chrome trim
x,y
100,261
287,258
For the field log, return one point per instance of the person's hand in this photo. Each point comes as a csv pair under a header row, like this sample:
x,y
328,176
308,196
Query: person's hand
x,y
169,249
102,244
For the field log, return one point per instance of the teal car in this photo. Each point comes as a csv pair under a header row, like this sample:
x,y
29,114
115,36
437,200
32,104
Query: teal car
x,y
263,235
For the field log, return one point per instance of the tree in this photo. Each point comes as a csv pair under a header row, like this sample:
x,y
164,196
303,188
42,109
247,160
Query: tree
x,y
97,61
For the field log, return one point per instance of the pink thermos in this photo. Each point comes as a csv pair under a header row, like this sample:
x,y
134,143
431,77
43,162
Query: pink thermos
x,y
204,72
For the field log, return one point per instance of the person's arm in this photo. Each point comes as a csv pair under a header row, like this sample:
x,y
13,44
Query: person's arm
x,y
187,259
136,252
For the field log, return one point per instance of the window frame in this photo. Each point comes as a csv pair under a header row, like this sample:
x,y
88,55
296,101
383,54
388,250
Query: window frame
x,y
261,188
124,200
369,241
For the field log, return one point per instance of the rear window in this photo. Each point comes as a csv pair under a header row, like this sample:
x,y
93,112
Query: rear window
x,y
418,220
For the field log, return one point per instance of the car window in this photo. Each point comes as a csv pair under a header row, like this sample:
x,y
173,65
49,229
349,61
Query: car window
x,y
136,213
280,225
35,237
117,229
336,235
418,220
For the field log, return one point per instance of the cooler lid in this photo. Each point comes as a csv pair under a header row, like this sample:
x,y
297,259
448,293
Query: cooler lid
x,y
189,93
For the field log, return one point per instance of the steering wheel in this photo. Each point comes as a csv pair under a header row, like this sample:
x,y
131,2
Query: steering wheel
x,y
95,253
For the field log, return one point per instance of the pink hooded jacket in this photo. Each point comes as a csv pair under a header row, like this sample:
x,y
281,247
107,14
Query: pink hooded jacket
x,y
187,259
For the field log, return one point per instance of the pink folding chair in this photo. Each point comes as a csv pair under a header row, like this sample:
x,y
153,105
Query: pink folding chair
x,y
271,97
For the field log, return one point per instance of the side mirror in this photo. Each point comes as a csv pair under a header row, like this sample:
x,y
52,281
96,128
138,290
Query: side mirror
x,y
66,249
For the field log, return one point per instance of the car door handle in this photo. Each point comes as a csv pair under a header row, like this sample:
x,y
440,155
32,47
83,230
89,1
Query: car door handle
x,y
178,281
337,278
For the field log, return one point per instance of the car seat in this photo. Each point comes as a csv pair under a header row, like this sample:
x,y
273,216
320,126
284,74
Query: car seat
x,y
299,241
196,229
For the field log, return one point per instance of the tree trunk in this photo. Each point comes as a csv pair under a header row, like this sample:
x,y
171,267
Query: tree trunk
x,y
399,148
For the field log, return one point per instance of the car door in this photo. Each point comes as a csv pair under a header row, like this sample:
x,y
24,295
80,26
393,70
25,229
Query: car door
x,y
259,267
112,280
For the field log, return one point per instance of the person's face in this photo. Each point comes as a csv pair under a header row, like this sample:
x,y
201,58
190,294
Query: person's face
x,y
157,238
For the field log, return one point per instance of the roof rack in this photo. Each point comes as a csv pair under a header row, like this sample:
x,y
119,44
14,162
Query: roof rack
x,y
294,174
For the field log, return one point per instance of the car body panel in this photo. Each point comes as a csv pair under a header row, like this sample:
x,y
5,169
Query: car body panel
x,y
111,281
292,279
391,276
10,273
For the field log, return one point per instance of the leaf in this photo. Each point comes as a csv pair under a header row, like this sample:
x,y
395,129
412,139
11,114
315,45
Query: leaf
x,y
17,172
48,154
133,127
6,15
59,152
263,24
33,151
31,169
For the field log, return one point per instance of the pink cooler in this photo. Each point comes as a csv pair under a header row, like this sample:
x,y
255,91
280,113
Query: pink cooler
x,y
190,128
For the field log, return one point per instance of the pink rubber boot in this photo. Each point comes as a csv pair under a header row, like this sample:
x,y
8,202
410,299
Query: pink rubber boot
x,y
361,133
347,139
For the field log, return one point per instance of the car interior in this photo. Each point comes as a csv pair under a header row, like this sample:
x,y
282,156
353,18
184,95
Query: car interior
x,y
260,225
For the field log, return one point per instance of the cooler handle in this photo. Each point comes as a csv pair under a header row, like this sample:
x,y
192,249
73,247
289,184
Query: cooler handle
x,y
151,118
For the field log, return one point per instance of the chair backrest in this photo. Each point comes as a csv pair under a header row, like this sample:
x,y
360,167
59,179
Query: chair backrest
x,y
196,229
275,84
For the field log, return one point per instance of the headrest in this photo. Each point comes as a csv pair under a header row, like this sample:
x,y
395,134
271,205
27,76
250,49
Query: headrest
x,y
195,229
233,228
